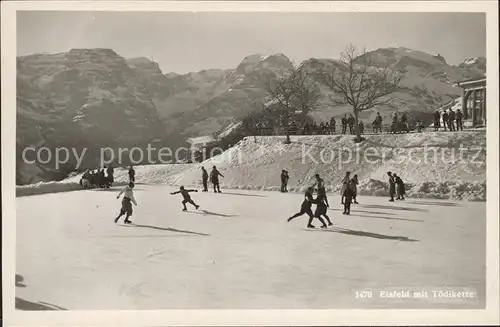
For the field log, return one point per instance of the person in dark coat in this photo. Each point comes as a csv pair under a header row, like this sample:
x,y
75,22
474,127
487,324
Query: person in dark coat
x,y
305,208
131,174
348,196
445,120
351,121
204,178
186,197
322,205
344,124
101,178
355,183
284,181
400,187
214,178
392,186
361,127
451,120
378,123
345,184
110,171
320,182
332,125
395,124
458,118
437,121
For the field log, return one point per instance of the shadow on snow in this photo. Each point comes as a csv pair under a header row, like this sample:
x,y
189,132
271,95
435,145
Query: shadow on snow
x,y
389,207
206,212
365,234
167,229
22,304
243,194
436,203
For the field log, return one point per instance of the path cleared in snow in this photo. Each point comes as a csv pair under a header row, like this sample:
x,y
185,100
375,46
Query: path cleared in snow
x,y
238,252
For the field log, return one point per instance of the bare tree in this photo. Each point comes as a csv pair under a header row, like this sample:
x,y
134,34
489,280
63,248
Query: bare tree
x,y
357,82
291,92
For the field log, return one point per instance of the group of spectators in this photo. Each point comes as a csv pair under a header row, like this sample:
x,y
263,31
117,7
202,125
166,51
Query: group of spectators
x,y
451,119
102,178
97,178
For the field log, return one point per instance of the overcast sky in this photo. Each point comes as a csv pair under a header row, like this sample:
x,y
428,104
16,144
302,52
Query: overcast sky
x,y
185,42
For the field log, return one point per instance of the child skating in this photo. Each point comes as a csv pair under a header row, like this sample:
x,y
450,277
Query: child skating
x,y
186,197
127,201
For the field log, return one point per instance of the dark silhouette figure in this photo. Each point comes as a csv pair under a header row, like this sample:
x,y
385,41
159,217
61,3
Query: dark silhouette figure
x,y
445,120
344,124
451,120
351,121
305,208
214,178
322,205
437,121
378,123
458,119
400,187
186,197
348,196
131,174
355,183
284,181
332,125
392,186
345,184
110,171
204,178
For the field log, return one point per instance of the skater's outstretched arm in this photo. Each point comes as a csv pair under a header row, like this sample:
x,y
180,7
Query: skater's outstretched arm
x,y
132,198
191,190
174,193
220,174
121,192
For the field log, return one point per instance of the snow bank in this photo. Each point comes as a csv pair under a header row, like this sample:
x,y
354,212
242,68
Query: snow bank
x,y
433,165
46,187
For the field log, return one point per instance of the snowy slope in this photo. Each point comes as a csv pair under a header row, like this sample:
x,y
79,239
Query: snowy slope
x,y
429,163
239,253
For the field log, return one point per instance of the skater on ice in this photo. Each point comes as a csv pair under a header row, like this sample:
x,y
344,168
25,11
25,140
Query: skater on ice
x,y
400,187
214,178
284,181
392,186
110,171
128,199
320,183
355,183
345,184
305,208
348,196
131,174
186,197
322,205
204,178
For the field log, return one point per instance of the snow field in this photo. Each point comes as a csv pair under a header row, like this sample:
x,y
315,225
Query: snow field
x,y
240,252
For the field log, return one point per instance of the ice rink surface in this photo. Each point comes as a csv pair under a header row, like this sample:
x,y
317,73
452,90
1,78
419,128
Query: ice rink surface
x,y
238,252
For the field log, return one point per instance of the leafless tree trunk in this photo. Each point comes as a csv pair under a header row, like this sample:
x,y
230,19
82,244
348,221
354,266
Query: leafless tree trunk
x,y
294,91
359,83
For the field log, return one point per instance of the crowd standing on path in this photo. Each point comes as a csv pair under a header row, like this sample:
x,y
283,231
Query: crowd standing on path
x,y
97,178
452,121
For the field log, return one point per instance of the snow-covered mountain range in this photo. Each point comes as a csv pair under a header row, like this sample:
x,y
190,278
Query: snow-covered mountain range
x,y
95,97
